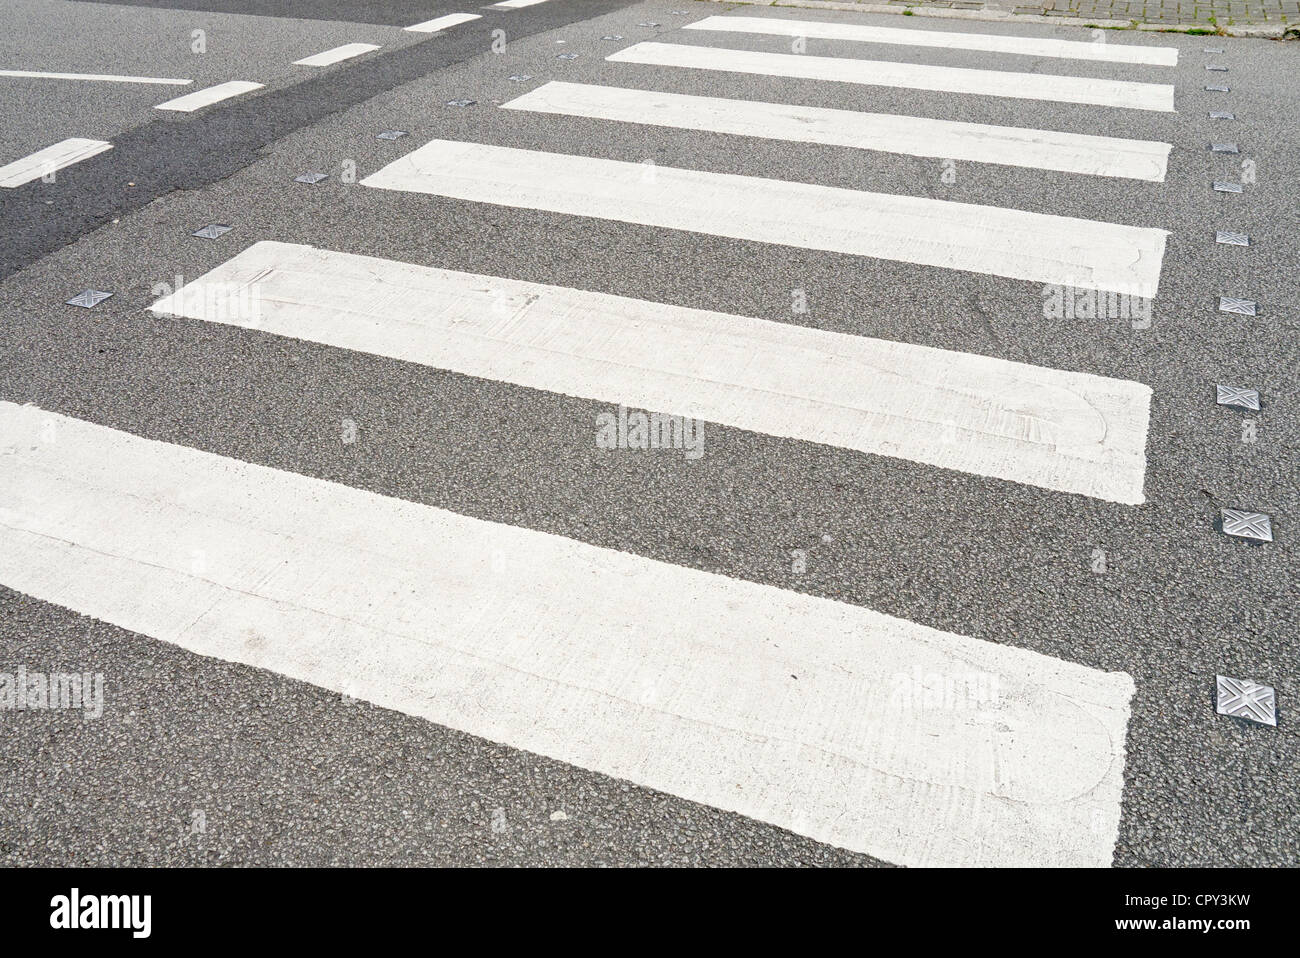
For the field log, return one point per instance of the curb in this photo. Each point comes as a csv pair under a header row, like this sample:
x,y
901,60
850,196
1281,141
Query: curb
x,y
1267,31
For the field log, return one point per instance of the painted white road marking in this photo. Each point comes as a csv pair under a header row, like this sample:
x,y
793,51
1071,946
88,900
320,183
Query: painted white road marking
x,y
1066,431
213,94
988,42
345,52
516,4
50,160
98,77
982,239
892,133
854,728
914,76
442,23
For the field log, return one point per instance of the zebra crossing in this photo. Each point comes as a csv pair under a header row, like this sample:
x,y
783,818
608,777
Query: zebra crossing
x,y
982,239
1067,431
555,646
1057,88
885,132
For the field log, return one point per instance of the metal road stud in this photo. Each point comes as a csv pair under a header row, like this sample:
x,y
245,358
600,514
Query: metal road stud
x,y
1254,526
1244,699
1237,397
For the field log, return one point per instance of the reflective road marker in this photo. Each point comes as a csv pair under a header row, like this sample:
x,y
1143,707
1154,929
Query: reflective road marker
x,y
1242,698
806,713
1069,432
1252,526
1238,397
965,236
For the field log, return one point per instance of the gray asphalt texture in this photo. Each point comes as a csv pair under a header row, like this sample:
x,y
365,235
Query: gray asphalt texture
x,y
400,13
154,153
288,773
57,36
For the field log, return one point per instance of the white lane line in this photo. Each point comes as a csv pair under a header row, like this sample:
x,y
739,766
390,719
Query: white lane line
x,y
1065,431
892,133
982,239
516,4
851,727
988,42
99,77
1024,86
345,52
49,160
213,94
442,23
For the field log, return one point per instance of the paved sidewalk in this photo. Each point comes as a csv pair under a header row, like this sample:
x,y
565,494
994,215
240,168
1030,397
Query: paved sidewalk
x,y
1258,17
1208,12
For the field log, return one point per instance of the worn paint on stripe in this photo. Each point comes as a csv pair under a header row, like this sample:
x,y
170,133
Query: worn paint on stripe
x,y
854,728
1066,431
213,94
914,76
442,23
345,52
97,77
49,160
910,135
987,42
982,239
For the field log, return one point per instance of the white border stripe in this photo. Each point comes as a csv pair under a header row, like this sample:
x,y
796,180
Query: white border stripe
x,y
1070,432
516,4
988,42
52,158
827,719
916,76
213,94
981,239
98,77
442,23
911,135
345,52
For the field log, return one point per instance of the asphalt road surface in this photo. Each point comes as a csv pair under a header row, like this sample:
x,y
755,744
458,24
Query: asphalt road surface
x,y
345,506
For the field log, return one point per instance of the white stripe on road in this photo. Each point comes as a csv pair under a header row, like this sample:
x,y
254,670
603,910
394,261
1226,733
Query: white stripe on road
x,y
911,135
1070,432
915,76
345,52
981,239
213,94
516,4
50,159
99,77
988,42
855,728
442,23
